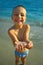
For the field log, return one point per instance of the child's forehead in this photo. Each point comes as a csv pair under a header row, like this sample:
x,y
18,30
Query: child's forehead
x,y
19,9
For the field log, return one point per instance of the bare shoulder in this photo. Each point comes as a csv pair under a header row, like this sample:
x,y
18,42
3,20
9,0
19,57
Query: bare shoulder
x,y
27,26
11,29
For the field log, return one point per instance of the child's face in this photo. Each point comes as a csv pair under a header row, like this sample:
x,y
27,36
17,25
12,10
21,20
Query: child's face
x,y
19,15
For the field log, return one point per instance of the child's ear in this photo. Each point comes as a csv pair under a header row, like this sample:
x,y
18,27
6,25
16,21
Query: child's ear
x,y
12,16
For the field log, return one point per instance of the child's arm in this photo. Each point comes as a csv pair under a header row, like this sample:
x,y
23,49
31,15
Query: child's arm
x,y
26,37
13,36
26,33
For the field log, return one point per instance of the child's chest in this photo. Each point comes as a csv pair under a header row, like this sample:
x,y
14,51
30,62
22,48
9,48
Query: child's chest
x,y
20,33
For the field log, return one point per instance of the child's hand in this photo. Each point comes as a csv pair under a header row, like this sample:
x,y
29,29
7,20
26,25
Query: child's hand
x,y
29,45
19,46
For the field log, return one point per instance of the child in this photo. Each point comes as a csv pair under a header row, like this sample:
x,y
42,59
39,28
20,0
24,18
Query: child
x,y
19,33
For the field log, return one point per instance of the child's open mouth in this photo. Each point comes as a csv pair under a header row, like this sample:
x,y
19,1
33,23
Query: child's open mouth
x,y
19,21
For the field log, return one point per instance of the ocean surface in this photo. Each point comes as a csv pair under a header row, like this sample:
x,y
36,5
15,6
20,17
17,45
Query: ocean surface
x,y
34,18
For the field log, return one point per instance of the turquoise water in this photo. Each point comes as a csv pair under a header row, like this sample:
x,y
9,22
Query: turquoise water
x,y
7,49
34,8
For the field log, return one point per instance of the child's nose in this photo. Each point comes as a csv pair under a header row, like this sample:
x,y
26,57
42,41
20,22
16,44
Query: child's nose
x,y
19,16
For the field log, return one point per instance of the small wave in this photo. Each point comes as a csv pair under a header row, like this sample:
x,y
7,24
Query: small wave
x,y
37,24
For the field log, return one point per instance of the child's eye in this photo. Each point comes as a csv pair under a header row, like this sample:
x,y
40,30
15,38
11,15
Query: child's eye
x,y
22,14
15,14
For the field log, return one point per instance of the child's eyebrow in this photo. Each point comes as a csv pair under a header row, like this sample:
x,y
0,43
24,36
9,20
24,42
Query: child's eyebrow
x,y
19,13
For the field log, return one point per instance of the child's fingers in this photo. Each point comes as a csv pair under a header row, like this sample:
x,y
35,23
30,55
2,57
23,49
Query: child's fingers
x,y
30,45
21,46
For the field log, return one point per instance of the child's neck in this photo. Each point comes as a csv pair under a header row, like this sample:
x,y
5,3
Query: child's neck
x,y
18,25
